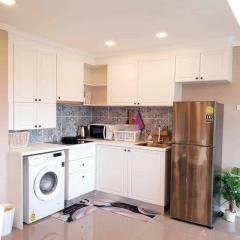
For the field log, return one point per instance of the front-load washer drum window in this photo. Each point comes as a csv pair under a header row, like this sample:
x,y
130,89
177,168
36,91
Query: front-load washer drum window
x,y
48,183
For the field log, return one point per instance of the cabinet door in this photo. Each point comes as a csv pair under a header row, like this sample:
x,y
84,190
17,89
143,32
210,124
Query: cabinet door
x,y
25,73
70,78
112,170
146,176
25,116
216,65
122,84
47,76
156,81
46,115
187,68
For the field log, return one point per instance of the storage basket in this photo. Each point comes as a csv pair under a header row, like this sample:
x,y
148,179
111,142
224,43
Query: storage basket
x,y
126,133
18,139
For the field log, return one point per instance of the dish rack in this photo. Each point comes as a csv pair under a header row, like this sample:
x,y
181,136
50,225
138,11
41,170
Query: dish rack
x,y
126,133
18,139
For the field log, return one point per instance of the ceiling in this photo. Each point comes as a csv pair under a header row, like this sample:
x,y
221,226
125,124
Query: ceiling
x,y
132,24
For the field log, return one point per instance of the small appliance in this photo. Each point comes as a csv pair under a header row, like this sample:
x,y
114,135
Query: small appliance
x,y
101,131
43,192
196,161
82,132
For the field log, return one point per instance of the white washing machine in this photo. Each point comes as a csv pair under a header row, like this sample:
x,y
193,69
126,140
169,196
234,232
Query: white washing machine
x,y
43,185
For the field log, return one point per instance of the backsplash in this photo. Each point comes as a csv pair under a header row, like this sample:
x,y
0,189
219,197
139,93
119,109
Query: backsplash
x,y
69,117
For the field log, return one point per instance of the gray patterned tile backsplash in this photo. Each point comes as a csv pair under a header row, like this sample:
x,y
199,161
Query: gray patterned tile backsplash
x,y
69,117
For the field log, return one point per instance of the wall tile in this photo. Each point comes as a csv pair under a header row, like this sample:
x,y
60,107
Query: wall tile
x,y
69,117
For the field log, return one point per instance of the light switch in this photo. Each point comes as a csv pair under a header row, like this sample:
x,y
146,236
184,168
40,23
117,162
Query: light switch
x,y
238,107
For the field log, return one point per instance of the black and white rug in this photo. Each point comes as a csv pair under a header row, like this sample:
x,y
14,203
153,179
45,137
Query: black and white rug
x,y
87,206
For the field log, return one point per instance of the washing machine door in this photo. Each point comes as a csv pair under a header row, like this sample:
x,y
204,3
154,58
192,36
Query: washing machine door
x,y
48,183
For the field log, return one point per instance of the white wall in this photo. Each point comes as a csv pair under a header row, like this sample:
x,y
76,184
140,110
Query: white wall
x,y
3,113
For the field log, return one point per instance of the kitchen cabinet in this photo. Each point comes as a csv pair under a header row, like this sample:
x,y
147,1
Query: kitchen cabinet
x,y
148,176
134,173
147,82
80,170
34,74
32,86
122,83
34,115
25,73
215,65
70,78
47,76
187,68
156,84
111,169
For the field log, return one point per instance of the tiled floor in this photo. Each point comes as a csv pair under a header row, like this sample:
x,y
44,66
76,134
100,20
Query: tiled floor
x,y
103,225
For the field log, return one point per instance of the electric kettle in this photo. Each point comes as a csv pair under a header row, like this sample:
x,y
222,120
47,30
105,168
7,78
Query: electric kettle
x,y
82,132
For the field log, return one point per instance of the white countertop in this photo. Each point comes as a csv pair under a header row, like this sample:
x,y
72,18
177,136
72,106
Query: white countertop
x,y
38,148
50,147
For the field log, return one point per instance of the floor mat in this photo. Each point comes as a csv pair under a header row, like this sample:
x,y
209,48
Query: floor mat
x,y
87,206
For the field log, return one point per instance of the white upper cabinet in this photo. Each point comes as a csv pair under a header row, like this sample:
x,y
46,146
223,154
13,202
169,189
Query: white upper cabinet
x,y
214,65
47,76
187,68
46,115
24,73
34,73
70,78
34,116
156,81
122,83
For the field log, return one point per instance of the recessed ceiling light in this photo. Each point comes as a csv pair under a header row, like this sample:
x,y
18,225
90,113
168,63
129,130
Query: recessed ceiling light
x,y
110,43
161,35
8,2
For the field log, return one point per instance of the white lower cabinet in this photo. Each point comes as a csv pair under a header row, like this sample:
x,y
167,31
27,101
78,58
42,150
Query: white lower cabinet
x,y
111,169
80,170
34,115
135,173
147,178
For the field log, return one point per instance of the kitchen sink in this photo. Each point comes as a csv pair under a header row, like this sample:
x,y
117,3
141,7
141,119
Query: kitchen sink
x,y
151,144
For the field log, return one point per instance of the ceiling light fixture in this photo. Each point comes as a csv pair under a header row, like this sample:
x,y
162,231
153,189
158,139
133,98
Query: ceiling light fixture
x,y
110,43
161,35
8,2
235,6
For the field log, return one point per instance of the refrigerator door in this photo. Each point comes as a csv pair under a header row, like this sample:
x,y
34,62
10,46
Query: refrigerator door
x,y
191,184
193,123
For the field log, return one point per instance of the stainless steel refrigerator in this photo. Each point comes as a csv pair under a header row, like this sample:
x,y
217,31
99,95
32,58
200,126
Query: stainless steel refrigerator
x,y
196,160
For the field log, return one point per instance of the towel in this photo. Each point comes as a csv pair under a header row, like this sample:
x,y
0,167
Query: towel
x,y
139,121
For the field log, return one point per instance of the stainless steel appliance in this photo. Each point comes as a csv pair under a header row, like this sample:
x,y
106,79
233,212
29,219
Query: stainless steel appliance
x,y
101,131
196,160
82,132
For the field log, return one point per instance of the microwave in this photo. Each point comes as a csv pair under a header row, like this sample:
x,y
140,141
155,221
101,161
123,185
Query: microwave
x,y
101,131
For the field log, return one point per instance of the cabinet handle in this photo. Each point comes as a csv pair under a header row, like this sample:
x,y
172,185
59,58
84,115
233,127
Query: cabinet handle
x,y
59,98
83,164
39,126
129,150
35,126
35,99
82,176
138,103
196,78
125,150
135,103
39,100
201,77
